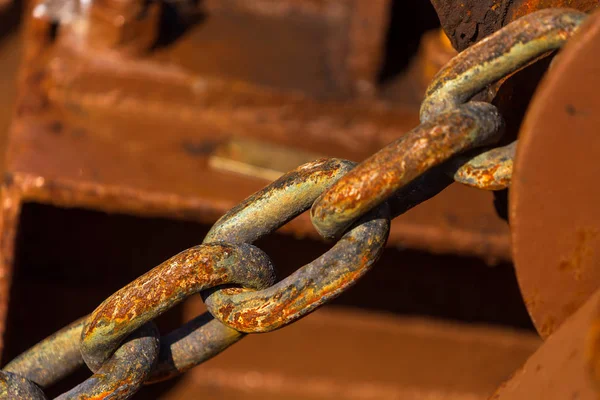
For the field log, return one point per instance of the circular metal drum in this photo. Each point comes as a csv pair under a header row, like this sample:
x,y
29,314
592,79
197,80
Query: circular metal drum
x,y
555,191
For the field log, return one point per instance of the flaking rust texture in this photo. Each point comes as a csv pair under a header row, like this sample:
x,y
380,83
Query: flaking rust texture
x,y
155,292
134,133
13,386
490,170
272,207
310,286
505,52
125,373
119,378
468,21
396,165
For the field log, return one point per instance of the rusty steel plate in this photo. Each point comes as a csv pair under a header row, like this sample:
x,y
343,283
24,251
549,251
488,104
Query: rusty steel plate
x,y
554,214
565,366
468,21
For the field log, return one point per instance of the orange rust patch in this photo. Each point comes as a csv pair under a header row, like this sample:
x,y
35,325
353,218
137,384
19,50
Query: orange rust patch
x,y
226,310
548,326
582,252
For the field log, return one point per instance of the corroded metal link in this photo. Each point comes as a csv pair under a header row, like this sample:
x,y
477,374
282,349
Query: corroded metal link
x,y
193,343
272,207
258,215
58,356
498,55
163,287
13,386
419,190
120,377
125,372
119,342
52,359
490,170
311,285
377,178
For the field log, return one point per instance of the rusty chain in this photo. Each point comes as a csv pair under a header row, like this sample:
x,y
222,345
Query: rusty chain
x,y
348,202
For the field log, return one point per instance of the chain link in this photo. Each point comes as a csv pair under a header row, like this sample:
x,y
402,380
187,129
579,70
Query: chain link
x,y
13,386
311,285
52,359
500,54
490,170
377,178
120,377
349,202
165,286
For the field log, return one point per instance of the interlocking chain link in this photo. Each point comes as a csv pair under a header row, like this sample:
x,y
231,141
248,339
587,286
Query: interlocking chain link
x,y
493,58
377,178
490,170
311,285
13,386
165,286
448,126
349,202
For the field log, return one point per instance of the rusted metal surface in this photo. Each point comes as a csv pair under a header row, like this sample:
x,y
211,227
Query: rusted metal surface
x,y
52,359
553,202
103,331
269,309
565,366
485,63
310,286
327,49
68,93
125,372
490,170
313,284
13,386
136,131
403,282
212,264
155,292
193,343
119,378
59,355
504,52
519,8
378,177
278,203
468,21
592,354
